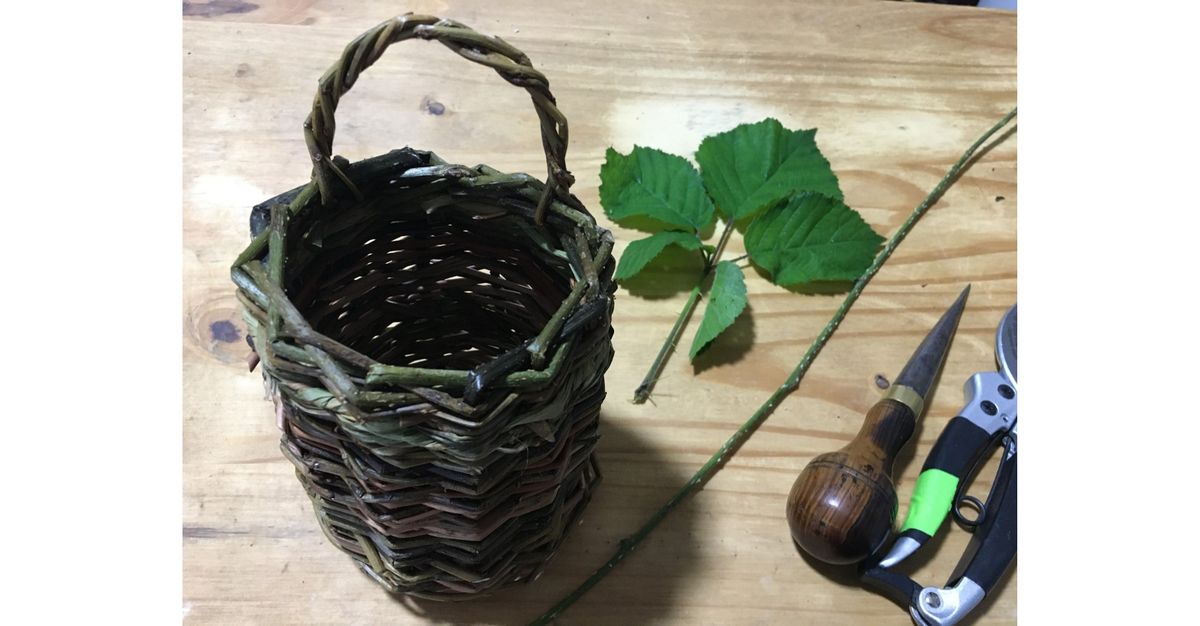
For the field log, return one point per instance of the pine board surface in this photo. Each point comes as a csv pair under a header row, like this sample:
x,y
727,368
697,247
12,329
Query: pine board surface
x,y
897,91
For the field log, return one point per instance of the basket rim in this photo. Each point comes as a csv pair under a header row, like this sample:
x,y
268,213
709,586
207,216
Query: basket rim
x,y
262,281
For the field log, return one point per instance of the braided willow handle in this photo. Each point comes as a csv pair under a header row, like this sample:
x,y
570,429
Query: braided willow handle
x,y
510,63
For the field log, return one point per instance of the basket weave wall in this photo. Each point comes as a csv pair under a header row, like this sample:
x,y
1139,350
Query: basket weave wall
x,y
435,339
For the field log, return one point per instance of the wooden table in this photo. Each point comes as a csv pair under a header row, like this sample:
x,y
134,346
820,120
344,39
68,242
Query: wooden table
x,y
897,90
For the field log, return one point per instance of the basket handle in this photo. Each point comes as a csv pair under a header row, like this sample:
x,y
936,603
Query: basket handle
x,y
509,62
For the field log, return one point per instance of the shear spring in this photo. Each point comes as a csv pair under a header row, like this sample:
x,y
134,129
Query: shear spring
x,y
962,498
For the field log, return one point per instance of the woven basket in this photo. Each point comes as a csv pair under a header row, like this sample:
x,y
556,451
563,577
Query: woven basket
x,y
435,339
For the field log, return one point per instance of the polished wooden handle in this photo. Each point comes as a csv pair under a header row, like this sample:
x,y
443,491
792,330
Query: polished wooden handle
x,y
842,506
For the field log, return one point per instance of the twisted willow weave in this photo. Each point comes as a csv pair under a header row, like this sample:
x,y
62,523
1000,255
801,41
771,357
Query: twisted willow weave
x,y
435,339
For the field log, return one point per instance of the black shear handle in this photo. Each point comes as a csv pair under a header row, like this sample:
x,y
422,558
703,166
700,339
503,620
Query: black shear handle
x,y
994,543
989,555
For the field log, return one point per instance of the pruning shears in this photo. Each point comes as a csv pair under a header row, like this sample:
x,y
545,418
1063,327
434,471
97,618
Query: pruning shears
x,y
988,418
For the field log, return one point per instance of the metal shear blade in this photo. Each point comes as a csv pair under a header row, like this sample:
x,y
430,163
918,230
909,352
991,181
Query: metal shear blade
x,y
1006,345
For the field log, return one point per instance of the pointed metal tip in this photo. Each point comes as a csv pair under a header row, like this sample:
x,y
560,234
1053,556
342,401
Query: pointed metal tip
x,y
922,369
959,304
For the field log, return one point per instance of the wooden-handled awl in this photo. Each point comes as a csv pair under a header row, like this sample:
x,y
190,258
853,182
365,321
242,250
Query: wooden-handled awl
x,y
842,506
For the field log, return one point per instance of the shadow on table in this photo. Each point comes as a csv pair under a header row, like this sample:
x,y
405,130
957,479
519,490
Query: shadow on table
x,y
672,272
636,482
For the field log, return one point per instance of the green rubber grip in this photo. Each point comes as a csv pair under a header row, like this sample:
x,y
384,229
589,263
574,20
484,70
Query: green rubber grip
x,y
931,500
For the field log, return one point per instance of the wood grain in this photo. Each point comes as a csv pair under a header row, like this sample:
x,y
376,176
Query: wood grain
x,y
897,90
842,507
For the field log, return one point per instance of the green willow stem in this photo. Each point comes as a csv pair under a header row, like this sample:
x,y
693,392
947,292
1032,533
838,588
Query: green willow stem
x,y
735,441
642,393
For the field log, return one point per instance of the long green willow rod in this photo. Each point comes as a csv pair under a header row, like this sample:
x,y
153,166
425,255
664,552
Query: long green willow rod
x,y
631,542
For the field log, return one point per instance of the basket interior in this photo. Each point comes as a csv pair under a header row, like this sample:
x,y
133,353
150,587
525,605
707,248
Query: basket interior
x,y
435,289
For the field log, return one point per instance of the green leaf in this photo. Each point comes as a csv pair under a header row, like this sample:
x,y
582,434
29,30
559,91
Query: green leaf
x,y
811,238
639,253
755,165
651,183
726,301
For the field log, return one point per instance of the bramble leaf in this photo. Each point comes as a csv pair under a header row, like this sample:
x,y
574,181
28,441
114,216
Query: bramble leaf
x,y
726,301
652,183
639,253
755,165
810,238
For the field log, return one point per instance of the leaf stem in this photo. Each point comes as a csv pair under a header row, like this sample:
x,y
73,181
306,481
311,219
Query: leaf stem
x,y
627,545
642,393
